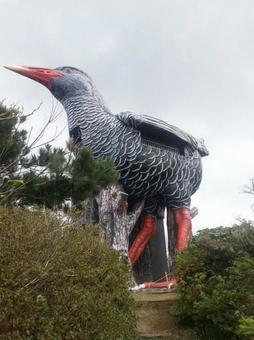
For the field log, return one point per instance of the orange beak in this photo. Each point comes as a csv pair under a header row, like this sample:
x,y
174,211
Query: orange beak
x,y
41,75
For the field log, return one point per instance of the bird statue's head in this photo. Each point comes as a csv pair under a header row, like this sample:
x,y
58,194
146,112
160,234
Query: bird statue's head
x,y
63,82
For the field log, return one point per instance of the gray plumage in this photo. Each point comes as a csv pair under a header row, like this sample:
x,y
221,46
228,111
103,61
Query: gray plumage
x,y
156,161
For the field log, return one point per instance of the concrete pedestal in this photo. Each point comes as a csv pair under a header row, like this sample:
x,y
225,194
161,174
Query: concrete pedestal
x,y
155,309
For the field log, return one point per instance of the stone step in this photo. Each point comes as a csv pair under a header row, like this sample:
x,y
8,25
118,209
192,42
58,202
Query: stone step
x,y
155,319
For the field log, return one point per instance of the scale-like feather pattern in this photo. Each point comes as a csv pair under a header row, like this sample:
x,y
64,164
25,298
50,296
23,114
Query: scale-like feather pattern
x,y
164,173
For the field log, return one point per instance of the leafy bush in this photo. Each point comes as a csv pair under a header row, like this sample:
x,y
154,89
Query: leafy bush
x,y
246,326
217,283
60,282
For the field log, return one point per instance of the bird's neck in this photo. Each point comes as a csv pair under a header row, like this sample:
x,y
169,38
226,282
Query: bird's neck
x,y
95,124
86,111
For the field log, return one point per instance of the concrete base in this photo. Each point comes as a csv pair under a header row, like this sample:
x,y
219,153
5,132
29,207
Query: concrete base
x,y
155,318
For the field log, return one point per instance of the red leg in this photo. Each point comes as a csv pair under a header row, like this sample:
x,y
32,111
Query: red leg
x,y
183,222
146,232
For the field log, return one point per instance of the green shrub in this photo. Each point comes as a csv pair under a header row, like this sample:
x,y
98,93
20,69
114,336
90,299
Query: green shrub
x,y
217,283
60,282
246,326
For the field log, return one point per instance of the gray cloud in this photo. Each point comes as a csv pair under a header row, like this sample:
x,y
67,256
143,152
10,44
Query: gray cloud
x,y
187,62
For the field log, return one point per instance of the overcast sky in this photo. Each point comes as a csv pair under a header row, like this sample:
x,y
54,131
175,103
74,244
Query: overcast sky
x,y
188,62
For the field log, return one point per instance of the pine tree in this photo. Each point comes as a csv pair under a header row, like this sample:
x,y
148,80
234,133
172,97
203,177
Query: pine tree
x,y
50,177
12,139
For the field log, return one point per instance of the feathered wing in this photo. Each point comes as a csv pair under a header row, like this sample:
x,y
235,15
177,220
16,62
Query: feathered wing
x,y
156,130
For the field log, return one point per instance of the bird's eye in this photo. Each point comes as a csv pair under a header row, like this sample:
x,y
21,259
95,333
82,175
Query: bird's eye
x,y
67,70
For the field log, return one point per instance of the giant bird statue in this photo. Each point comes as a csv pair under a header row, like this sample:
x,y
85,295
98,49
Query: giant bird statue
x,y
158,162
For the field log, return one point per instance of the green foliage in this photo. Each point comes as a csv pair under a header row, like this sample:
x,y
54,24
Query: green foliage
x,y
217,283
246,326
60,282
12,139
63,178
90,175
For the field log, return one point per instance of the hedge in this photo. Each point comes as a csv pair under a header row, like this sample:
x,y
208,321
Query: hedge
x,y
60,282
216,285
